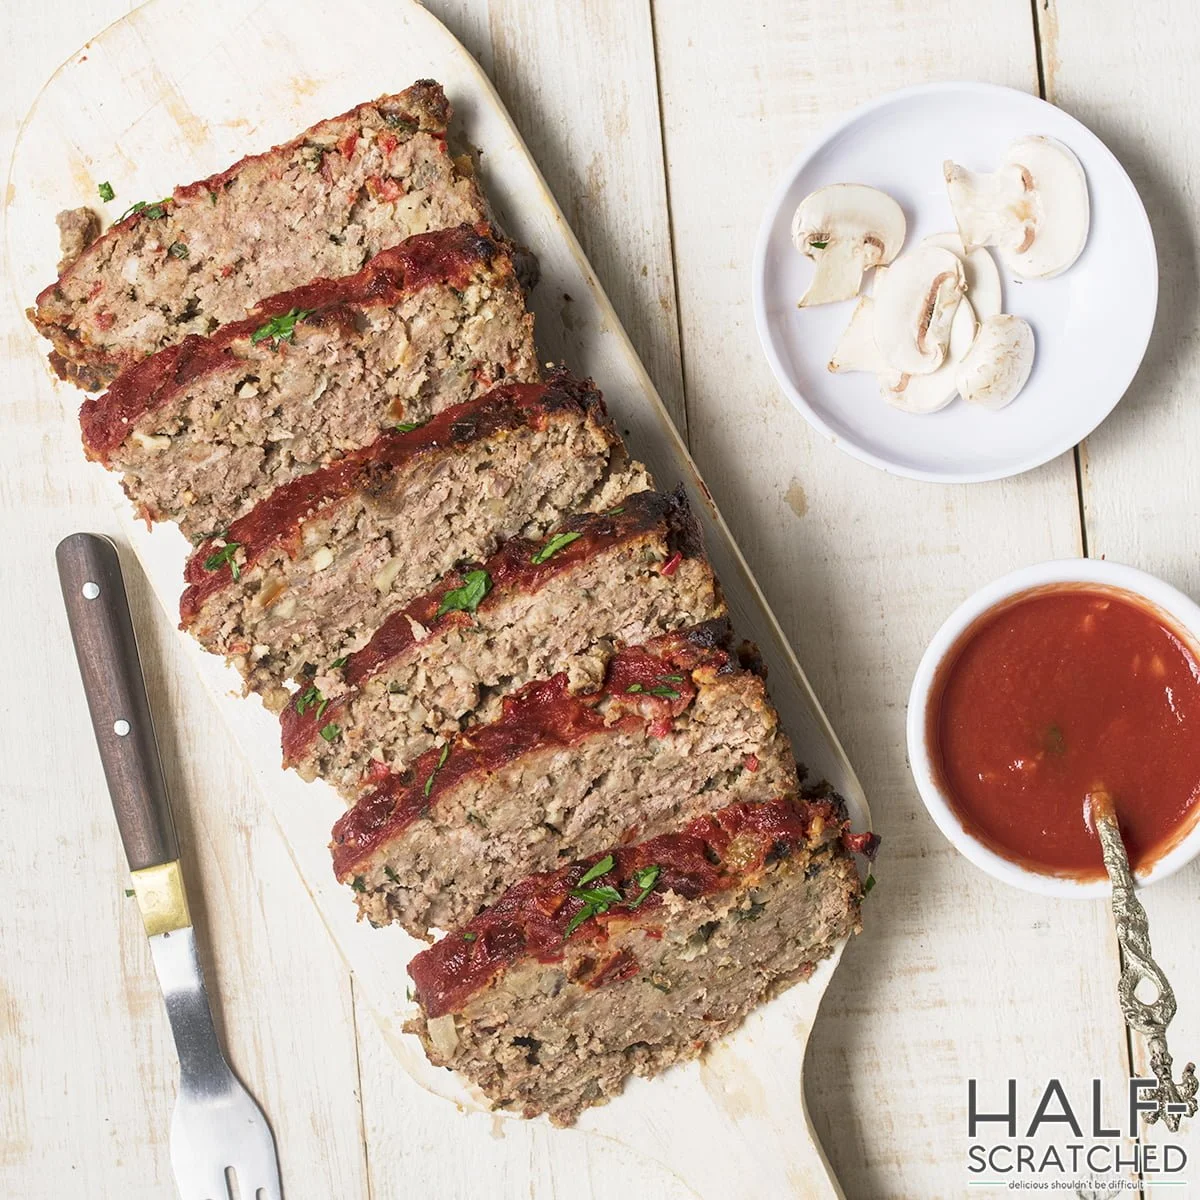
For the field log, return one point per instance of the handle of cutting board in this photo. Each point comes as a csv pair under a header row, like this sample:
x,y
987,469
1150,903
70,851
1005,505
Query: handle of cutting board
x,y
102,630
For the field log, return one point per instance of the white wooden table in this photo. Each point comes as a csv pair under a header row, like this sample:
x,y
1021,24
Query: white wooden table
x,y
662,127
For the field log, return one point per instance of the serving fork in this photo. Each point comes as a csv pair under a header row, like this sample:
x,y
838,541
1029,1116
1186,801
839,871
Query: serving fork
x,y
221,1144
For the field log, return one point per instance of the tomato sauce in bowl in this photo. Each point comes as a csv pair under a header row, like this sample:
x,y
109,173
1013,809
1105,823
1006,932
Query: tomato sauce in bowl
x,y
1057,692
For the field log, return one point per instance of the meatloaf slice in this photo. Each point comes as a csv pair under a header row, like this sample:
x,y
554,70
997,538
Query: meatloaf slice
x,y
678,729
440,664
310,573
207,427
623,965
320,205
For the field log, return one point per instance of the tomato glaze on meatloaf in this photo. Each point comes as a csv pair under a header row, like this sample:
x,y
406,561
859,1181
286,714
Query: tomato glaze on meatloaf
x,y
206,428
444,662
310,573
319,205
629,961
678,728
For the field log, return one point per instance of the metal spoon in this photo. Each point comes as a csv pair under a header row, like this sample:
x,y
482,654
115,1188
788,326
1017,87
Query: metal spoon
x,y
1175,1100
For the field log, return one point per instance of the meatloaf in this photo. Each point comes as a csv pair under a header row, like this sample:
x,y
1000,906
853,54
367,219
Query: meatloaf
x,y
320,205
627,963
677,729
310,573
205,428
443,662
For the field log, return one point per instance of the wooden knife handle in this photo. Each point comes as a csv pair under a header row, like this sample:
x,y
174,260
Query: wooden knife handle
x,y
102,630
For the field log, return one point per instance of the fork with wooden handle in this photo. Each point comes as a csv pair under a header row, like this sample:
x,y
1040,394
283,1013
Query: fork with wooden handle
x,y
221,1144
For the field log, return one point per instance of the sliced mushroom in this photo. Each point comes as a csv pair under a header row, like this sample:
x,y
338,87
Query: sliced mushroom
x,y
914,307
979,269
856,349
1033,209
846,229
924,394
998,364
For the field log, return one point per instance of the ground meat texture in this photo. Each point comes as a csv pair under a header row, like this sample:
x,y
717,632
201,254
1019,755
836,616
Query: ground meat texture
x,y
321,205
677,730
206,428
629,576
548,1003
310,573
78,228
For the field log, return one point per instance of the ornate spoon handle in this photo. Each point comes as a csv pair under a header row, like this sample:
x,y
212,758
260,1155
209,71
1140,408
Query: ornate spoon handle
x,y
1149,1018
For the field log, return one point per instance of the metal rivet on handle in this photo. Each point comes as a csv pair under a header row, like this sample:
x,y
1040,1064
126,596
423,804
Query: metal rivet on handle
x,y
120,728
90,590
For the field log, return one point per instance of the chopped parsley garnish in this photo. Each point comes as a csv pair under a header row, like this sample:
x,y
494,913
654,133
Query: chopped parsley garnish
x,y
358,884
281,328
331,731
602,867
818,245
554,545
129,891
224,557
645,878
666,692
403,124
311,698
441,762
339,662
869,884
391,874
178,250
409,426
599,900
468,597
469,937
153,210
106,191
615,512
671,678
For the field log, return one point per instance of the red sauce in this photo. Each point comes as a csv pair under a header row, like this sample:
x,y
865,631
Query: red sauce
x,y
1063,691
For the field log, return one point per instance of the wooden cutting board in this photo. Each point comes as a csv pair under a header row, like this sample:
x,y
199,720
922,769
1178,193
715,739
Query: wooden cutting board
x,y
174,92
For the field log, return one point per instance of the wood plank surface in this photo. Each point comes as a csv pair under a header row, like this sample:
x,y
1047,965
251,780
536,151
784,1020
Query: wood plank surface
x,y
87,1066
662,129
861,568
1141,475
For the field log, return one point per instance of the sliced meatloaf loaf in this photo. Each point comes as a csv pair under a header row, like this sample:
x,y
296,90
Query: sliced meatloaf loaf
x,y
320,205
310,573
575,979
678,729
443,662
207,427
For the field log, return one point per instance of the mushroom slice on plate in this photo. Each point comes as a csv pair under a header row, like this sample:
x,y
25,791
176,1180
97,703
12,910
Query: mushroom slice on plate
x,y
923,394
998,364
914,306
979,268
846,229
856,349
1033,209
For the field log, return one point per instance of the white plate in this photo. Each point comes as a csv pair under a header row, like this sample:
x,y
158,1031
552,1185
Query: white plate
x,y
1092,323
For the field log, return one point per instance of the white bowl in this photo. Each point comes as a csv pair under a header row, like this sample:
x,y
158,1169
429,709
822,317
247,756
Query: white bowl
x,y
1175,608
1092,323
